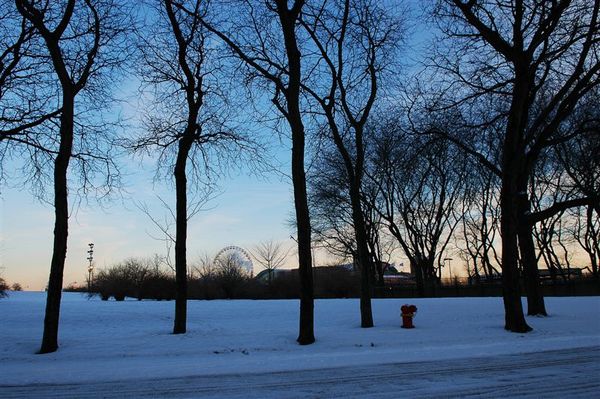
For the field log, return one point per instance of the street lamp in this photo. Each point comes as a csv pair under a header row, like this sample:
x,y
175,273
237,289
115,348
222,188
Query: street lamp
x,y
90,258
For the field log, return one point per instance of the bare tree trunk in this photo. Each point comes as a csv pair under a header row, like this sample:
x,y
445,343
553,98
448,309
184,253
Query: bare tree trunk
x,y
306,328
417,270
366,314
535,298
375,259
432,281
179,326
61,226
514,317
379,273
288,19
513,167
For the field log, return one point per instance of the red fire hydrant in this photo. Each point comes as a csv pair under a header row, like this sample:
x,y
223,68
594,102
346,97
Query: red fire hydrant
x,y
408,312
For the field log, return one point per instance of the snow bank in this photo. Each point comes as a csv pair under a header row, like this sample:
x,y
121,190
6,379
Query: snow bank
x,y
112,341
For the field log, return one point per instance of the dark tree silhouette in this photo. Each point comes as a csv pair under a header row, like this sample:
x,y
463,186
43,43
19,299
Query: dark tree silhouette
x,y
330,208
532,64
419,186
23,106
271,256
190,119
265,37
586,231
82,43
480,224
578,158
355,40
3,288
331,212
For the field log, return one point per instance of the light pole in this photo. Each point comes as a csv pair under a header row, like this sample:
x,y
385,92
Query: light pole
x,y
90,258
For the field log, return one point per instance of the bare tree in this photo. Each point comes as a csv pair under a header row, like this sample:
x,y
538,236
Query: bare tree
x,y
419,186
24,106
533,63
549,185
190,119
83,43
580,163
586,232
355,40
270,255
331,213
16,287
3,288
230,273
203,267
480,224
265,38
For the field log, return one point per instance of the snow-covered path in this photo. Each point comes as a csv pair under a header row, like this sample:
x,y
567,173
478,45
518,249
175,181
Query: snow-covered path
x,y
549,374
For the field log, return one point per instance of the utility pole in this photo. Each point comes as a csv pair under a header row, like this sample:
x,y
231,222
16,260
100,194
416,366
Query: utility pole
x,y
90,258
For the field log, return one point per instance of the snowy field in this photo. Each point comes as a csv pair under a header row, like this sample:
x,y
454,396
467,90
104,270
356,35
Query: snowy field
x,y
131,340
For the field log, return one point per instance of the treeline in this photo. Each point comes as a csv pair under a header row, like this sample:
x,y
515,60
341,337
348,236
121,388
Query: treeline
x,y
5,286
430,201
493,139
149,278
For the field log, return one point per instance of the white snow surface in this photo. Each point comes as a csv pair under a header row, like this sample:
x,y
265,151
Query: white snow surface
x,y
131,340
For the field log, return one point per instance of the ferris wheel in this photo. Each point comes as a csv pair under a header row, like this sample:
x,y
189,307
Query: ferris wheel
x,y
239,255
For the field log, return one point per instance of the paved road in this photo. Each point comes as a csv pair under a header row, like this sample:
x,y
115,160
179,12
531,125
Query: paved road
x,y
553,374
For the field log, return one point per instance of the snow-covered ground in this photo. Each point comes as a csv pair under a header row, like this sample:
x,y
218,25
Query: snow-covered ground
x,y
132,340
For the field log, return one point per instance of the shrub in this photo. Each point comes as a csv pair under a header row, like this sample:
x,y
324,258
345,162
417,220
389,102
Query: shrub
x,y
157,285
16,287
224,279
336,282
285,285
115,281
3,288
135,278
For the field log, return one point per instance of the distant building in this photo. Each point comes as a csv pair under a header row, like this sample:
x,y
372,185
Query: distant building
x,y
573,272
391,275
263,276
